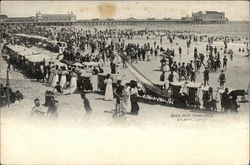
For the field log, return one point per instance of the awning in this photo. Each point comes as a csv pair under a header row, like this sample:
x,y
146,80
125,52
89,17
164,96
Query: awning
x,y
16,48
38,58
28,52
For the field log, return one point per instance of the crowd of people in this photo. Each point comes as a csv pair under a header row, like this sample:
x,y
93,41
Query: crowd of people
x,y
116,46
9,96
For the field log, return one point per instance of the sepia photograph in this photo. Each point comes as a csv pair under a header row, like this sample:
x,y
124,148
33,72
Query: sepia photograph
x,y
124,82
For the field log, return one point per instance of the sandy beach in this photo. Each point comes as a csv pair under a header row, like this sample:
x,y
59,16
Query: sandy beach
x,y
156,125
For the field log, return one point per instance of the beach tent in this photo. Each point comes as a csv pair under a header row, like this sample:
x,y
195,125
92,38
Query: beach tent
x,y
32,36
38,58
16,48
28,52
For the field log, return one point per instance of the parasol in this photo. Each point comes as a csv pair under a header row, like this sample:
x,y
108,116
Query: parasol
x,y
77,64
238,92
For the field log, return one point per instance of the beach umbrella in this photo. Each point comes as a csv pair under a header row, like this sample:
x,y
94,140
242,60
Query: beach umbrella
x,y
77,64
56,62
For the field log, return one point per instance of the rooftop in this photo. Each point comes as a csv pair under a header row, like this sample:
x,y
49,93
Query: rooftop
x,y
212,12
3,16
21,17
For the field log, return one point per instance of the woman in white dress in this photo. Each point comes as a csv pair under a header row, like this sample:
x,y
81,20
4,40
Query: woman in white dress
x,y
63,78
126,97
109,89
52,70
55,77
73,82
94,79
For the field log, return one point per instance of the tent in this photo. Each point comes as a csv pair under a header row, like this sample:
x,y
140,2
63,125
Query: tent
x,y
38,58
16,48
28,52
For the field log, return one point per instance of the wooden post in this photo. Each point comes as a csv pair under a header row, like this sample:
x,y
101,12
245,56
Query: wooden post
x,y
8,90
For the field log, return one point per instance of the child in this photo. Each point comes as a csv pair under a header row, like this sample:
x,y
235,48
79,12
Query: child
x,y
58,88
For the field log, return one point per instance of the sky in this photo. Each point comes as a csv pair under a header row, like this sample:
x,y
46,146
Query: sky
x,y
234,10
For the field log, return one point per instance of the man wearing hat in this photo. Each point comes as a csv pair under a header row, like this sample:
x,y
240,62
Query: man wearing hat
x,y
37,110
225,100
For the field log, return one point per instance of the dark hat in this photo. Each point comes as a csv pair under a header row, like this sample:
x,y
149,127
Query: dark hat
x,y
226,89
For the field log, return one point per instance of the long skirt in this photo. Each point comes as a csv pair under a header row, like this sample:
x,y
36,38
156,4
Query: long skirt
x,y
109,92
73,85
127,103
63,82
134,105
55,80
51,78
94,82
134,108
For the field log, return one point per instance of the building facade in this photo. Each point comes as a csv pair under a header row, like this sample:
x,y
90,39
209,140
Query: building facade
x,y
55,19
69,19
3,19
199,16
214,15
20,21
209,17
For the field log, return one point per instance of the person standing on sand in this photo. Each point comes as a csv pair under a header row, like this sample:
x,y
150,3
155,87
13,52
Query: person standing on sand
x,y
118,92
73,81
206,76
109,89
222,79
55,76
63,81
51,74
120,107
224,62
193,75
135,91
225,100
86,103
126,97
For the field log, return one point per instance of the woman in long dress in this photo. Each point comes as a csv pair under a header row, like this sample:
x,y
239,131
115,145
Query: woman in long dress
x,y
109,89
134,98
63,78
55,77
52,70
94,81
126,98
73,82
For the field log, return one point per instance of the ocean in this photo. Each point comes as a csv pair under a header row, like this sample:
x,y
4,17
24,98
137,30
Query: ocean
x,y
232,28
